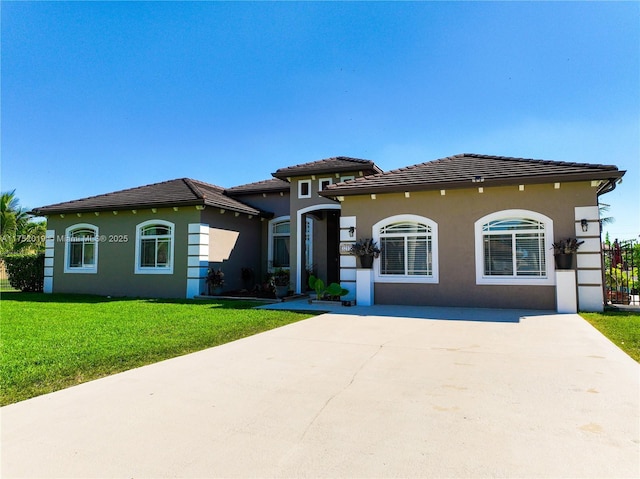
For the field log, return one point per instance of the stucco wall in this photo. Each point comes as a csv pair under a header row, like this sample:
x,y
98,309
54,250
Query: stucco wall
x,y
235,242
272,203
455,212
116,255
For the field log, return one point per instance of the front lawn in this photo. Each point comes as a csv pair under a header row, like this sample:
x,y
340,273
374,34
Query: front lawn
x,y
52,341
621,327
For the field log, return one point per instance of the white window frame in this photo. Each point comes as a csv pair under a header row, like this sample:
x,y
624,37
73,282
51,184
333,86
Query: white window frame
x,y
324,180
546,280
272,223
154,270
434,278
68,234
304,182
347,178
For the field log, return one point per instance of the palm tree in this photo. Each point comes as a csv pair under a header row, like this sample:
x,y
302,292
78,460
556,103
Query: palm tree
x,y
17,232
603,208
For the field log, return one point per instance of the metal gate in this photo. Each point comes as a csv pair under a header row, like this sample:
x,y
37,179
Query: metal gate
x,y
621,262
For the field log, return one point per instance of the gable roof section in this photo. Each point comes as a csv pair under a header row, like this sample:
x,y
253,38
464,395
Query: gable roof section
x,y
329,165
469,170
273,185
179,192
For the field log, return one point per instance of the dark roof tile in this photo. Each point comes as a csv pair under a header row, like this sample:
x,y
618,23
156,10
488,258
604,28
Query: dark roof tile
x,y
179,192
272,185
329,165
464,170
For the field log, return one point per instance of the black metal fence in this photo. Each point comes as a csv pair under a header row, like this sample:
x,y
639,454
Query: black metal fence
x,y
621,263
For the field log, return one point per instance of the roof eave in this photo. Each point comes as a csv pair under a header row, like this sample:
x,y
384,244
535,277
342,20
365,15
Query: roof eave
x,y
395,188
366,170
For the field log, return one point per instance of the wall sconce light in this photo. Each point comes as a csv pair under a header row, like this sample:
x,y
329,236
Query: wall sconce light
x,y
584,224
352,231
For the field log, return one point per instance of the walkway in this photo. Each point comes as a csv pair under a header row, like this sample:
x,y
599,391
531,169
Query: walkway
x,y
352,395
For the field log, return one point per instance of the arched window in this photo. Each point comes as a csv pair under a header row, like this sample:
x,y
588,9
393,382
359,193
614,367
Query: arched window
x,y
81,252
279,242
154,247
409,249
513,247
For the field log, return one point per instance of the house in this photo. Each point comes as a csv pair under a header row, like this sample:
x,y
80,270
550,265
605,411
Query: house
x,y
466,230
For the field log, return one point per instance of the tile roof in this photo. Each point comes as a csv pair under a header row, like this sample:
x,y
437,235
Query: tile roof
x,y
273,185
467,169
179,192
328,165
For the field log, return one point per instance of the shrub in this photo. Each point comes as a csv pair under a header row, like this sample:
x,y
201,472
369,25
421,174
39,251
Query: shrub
x,y
26,271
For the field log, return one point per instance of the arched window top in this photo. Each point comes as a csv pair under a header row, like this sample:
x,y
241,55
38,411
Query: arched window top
x,y
159,229
282,227
405,227
513,224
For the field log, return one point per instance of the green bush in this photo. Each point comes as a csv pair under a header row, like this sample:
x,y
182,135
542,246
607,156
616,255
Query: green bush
x,y
26,271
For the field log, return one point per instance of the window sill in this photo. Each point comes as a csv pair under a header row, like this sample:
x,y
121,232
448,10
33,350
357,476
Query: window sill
x,y
154,271
81,270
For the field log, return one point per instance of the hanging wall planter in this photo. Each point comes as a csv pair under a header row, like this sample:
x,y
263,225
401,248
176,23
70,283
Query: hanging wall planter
x,y
366,261
565,251
366,250
564,260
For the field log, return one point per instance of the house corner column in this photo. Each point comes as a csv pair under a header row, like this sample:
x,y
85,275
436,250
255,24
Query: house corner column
x,y
347,260
49,250
589,259
197,259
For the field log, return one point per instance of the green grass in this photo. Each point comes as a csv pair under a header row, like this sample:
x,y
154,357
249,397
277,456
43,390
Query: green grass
x,y
52,341
621,327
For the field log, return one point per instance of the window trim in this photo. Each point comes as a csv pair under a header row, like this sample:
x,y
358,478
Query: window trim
x,y
408,218
300,183
323,180
272,223
67,249
547,280
154,270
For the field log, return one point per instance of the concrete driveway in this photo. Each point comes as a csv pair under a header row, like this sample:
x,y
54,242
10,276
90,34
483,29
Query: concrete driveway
x,y
352,396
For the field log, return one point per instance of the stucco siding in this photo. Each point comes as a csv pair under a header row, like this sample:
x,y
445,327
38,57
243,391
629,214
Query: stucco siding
x,y
115,274
455,213
235,242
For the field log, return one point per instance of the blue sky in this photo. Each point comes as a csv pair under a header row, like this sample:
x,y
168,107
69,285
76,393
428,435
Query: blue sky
x,y
102,96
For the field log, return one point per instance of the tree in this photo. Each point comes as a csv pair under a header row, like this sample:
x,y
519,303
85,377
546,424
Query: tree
x,y
18,233
603,208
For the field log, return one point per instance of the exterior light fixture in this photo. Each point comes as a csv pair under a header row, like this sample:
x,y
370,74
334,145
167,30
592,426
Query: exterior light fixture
x,y
584,224
352,231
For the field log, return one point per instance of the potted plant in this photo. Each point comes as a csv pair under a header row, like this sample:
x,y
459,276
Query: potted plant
x,y
564,251
332,292
365,249
281,282
215,281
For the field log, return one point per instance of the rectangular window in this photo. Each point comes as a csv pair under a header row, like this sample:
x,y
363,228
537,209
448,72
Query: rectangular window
x,y
304,189
281,252
418,256
148,256
324,182
498,255
392,256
